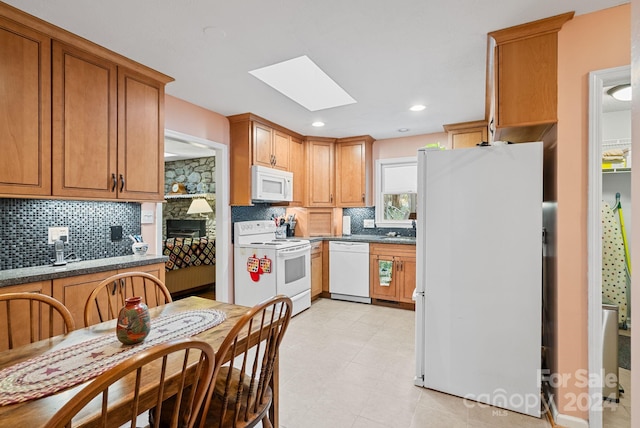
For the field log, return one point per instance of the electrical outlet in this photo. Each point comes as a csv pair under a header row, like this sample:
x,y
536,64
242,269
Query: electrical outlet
x,y
116,233
369,223
61,233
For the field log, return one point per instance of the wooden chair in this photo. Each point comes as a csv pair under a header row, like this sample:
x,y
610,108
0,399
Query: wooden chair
x,y
106,300
241,395
143,381
30,317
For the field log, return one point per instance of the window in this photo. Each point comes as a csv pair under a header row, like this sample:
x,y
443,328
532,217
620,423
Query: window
x,y
396,191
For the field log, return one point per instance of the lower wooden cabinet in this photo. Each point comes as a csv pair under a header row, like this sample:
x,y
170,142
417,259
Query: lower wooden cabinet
x,y
74,291
392,272
316,269
20,313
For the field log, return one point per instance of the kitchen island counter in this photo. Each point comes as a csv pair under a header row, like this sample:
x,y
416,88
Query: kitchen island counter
x,y
49,272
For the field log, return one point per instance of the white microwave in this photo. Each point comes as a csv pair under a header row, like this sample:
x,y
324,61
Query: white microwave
x,y
271,185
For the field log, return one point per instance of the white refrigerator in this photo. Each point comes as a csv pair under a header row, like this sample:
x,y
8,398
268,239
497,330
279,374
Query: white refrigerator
x,y
479,274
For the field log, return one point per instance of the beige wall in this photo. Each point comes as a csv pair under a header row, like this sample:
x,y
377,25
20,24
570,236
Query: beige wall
x,y
405,146
190,119
588,42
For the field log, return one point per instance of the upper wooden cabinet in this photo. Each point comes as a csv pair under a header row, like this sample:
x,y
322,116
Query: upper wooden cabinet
x,y
522,80
297,167
140,136
466,134
257,141
354,179
271,147
320,187
25,110
84,123
89,122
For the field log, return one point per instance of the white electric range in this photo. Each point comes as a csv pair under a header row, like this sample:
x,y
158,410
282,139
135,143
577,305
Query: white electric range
x,y
265,266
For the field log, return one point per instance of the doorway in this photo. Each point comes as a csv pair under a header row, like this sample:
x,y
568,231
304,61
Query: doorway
x,y
598,82
223,216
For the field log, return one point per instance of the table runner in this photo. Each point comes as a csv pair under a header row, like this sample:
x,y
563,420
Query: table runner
x,y
69,366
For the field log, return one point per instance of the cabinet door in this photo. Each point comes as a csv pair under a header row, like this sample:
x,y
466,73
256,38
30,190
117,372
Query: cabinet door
x,y
408,269
157,270
25,110
467,139
320,178
316,269
384,272
280,150
20,314
262,154
140,137
74,291
84,124
527,76
466,134
297,167
351,180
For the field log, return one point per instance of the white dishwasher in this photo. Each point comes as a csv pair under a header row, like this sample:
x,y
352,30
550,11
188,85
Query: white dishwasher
x,y
349,271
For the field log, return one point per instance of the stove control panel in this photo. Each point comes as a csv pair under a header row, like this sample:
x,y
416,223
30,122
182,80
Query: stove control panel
x,y
255,227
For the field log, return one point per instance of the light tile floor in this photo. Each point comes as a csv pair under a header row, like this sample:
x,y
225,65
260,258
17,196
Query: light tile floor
x,y
618,415
351,365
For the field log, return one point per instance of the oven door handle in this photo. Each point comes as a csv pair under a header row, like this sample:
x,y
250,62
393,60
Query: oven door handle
x,y
294,251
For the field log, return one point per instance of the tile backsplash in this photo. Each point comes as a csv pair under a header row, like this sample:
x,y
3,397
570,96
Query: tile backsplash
x,y
25,223
358,215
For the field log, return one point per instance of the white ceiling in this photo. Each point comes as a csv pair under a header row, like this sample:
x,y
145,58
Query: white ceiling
x,y
388,55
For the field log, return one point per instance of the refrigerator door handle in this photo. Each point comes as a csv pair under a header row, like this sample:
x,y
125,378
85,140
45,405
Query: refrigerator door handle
x,y
416,294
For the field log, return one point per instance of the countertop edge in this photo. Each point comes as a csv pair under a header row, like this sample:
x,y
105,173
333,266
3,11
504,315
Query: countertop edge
x,y
375,239
48,272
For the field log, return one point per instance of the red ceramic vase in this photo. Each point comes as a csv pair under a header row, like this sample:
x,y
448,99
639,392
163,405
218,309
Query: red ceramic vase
x,y
134,322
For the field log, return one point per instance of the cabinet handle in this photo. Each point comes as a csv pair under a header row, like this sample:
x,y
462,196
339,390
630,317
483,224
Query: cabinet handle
x,y
275,160
363,197
121,182
331,197
114,182
491,127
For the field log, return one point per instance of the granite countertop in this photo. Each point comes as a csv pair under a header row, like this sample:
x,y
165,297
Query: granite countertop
x,y
378,239
48,272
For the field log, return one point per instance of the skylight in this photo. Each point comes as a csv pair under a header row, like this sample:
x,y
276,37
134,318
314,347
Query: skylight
x,y
305,83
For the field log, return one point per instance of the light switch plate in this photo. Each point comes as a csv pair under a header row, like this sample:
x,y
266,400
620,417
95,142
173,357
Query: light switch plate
x,y
147,217
61,232
369,223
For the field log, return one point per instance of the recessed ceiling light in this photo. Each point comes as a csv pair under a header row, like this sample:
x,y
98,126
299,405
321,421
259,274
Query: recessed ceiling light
x,y
403,129
317,124
621,92
417,107
305,83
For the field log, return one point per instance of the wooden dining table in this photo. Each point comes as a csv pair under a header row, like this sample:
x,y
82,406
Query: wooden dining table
x,y
34,413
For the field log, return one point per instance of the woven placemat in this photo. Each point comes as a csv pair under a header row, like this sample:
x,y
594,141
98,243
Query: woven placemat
x,y
69,366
